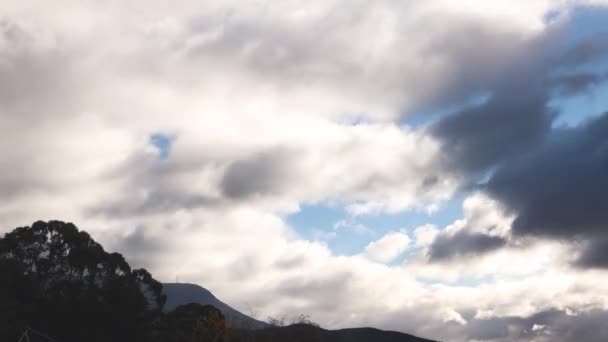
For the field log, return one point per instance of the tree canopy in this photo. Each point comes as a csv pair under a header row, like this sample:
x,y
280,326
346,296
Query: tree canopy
x,y
193,323
57,279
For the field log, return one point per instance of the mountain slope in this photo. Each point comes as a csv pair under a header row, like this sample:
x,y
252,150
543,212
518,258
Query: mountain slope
x,y
179,294
309,333
241,324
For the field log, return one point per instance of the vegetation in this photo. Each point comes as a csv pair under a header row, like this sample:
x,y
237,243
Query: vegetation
x,y
299,320
57,282
192,323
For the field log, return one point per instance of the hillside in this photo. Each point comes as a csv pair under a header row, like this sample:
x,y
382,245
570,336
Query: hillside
x,y
182,293
57,281
309,333
179,294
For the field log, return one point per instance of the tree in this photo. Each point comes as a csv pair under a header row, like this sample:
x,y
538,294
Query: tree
x,y
193,323
276,322
57,279
300,319
304,319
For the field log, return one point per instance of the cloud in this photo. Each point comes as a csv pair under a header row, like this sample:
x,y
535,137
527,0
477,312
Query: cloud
x,y
548,325
549,177
354,226
515,115
142,246
388,247
425,235
264,173
591,48
558,189
273,107
463,244
479,247
570,85
594,254
514,118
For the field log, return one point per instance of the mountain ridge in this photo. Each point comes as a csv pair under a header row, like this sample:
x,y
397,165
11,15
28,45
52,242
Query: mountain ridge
x,y
311,333
185,293
243,325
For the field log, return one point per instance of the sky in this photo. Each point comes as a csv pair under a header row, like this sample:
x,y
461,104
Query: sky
x,y
434,167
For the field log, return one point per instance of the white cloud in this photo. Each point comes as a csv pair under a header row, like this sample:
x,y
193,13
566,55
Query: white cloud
x,y
483,215
537,327
352,225
388,247
323,235
425,235
306,98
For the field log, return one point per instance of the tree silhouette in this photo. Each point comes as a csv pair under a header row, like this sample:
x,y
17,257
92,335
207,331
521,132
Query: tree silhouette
x,y
192,323
60,281
304,319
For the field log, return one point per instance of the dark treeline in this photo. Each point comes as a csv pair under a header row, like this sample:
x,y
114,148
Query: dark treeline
x,y
59,284
57,280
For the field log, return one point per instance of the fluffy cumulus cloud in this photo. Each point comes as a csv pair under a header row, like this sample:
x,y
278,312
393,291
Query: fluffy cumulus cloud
x,y
184,134
484,228
389,247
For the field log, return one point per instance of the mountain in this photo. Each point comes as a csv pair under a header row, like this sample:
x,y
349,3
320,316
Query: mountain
x,y
242,325
310,333
181,293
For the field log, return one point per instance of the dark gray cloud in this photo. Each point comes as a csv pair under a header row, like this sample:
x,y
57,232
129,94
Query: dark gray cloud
x,y
588,50
155,201
560,190
512,121
550,325
594,255
514,118
463,244
262,174
552,179
140,248
458,42
570,85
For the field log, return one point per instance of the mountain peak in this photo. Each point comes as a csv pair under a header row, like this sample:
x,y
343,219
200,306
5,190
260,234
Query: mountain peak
x,y
185,293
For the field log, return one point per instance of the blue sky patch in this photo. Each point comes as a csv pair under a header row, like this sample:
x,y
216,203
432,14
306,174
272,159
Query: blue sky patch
x,y
163,143
352,234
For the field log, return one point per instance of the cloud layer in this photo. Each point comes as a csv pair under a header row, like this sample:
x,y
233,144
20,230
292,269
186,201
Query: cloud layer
x,y
185,134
